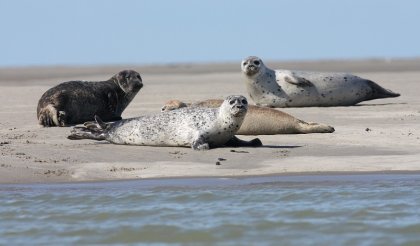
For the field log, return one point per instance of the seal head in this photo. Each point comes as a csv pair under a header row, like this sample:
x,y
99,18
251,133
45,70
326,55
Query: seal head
x,y
252,65
237,105
129,81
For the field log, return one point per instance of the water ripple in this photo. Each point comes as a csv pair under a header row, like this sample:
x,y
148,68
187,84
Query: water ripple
x,y
351,212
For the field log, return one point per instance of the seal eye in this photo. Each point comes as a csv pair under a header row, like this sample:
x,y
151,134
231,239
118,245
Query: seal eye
x,y
232,102
138,76
257,63
244,102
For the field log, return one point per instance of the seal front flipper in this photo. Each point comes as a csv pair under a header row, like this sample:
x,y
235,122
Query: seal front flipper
x,y
299,81
236,142
200,144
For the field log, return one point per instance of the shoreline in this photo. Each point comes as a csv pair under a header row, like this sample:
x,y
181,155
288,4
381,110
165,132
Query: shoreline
x,y
200,181
379,135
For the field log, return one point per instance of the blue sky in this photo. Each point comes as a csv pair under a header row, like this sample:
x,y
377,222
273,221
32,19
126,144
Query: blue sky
x,y
95,32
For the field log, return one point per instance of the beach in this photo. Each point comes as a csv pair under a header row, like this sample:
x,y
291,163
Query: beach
x,y
373,136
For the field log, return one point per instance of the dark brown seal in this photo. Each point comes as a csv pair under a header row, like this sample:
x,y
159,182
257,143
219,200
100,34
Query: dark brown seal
x,y
75,102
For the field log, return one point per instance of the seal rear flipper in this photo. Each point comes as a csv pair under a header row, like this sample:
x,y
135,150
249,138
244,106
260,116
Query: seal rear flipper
x,y
78,133
236,142
49,116
380,92
98,124
102,124
45,120
62,118
173,104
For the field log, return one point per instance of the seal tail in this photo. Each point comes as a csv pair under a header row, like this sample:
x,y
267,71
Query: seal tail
x,y
91,130
380,92
311,127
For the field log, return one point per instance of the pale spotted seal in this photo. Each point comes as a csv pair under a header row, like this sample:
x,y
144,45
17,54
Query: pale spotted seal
x,y
286,88
76,102
200,128
261,120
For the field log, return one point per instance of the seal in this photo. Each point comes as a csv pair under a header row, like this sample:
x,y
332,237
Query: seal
x,y
260,120
200,128
75,102
286,88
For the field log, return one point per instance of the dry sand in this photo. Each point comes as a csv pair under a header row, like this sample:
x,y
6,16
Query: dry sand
x,y
375,136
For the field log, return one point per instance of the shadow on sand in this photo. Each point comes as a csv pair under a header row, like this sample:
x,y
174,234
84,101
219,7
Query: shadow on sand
x,y
280,146
378,104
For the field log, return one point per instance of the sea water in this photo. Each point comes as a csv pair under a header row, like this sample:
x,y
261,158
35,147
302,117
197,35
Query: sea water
x,y
374,209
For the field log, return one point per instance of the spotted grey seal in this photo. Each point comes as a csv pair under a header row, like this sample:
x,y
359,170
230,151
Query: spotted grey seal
x,y
260,120
200,128
286,88
76,102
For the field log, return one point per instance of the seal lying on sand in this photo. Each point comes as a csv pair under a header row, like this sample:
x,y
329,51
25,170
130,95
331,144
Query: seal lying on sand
x,y
200,128
75,102
260,120
285,88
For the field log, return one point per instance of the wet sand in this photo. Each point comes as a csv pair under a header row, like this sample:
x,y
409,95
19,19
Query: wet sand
x,y
375,136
